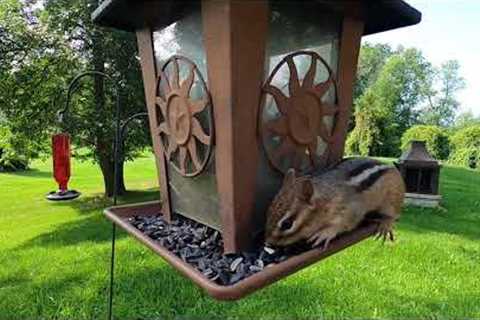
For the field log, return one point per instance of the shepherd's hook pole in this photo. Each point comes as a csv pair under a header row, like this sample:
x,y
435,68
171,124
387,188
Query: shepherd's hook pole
x,y
112,267
61,118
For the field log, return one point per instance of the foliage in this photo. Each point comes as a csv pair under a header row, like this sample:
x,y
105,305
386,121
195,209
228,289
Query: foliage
x,y
11,159
435,138
466,119
56,41
360,140
388,107
466,157
34,65
442,104
466,147
395,90
371,60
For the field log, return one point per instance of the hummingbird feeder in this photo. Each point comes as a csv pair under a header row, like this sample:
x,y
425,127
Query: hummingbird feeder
x,y
61,168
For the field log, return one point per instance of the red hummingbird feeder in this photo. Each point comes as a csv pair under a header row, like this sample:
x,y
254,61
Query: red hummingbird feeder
x,y
61,168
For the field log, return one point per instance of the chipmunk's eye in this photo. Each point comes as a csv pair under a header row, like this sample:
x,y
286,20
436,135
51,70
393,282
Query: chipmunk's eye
x,y
286,224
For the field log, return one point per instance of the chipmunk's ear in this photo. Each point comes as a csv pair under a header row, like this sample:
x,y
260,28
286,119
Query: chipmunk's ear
x,y
306,191
290,177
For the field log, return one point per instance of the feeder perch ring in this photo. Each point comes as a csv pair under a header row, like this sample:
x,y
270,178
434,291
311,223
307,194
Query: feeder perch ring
x,y
63,195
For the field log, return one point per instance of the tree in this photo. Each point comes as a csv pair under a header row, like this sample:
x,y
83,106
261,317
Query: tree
x,y
108,51
466,147
34,64
67,43
371,60
436,140
361,140
442,104
466,119
389,106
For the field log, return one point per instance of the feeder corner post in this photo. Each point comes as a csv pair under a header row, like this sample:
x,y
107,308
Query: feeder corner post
x,y
235,41
149,74
353,26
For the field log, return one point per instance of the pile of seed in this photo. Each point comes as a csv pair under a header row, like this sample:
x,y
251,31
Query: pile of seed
x,y
201,247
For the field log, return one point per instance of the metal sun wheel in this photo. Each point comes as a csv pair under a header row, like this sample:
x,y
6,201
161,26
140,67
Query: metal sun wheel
x,y
301,115
178,118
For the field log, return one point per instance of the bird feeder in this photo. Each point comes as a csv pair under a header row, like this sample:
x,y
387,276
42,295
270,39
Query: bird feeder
x,y
238,92
61,168
421,173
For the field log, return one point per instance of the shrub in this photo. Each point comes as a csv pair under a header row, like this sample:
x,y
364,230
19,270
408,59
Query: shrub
x,y
363,138
436,140
10,158
466,147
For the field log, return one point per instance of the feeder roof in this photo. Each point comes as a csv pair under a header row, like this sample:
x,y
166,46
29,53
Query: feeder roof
x,y
129,15
418,154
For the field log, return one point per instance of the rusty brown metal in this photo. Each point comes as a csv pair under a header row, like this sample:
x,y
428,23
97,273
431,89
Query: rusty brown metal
x,y
235,37
269,275
132,15
302,114
147,61
177,121
352,30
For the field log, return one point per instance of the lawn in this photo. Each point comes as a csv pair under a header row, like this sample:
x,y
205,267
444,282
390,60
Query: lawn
x,y
55,260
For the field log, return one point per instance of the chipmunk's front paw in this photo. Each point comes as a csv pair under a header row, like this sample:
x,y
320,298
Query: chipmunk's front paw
x,y
385,230
321,236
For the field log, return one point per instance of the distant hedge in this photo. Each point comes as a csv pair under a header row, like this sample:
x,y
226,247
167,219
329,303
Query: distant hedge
x,y
465,144
436,140
10,159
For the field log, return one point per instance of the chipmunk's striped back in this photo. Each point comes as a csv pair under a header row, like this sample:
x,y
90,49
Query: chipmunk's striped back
x,y
367,174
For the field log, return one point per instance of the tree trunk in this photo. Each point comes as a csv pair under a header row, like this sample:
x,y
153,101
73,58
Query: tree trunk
x,y
107,167
104,138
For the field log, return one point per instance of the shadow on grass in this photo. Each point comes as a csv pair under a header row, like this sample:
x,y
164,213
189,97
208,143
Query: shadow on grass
x,y
13,280
31,173
95,202
95,227
177,296
45,299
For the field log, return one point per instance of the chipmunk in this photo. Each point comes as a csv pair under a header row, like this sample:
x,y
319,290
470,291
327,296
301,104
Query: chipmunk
x,y
318,208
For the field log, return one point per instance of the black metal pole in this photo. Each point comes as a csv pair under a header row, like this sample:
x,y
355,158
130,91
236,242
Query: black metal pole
x,y
112,267
61,115
117,156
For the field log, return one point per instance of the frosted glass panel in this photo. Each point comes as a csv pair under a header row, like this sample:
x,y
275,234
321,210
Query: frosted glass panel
x,y
298,27
196,197
295,26
185,38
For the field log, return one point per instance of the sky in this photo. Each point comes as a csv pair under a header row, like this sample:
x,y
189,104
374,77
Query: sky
x,y
450,29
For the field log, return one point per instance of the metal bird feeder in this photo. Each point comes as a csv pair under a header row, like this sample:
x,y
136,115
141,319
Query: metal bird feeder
x,y
237,92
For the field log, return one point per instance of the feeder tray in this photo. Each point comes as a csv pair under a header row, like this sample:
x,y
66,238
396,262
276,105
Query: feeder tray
x,y
63,195
120,215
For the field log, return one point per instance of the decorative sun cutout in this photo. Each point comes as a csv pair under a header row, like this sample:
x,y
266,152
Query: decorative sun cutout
x,y
187,145
292,138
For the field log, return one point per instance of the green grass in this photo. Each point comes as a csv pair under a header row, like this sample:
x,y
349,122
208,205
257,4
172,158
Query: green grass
x,y
54,260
